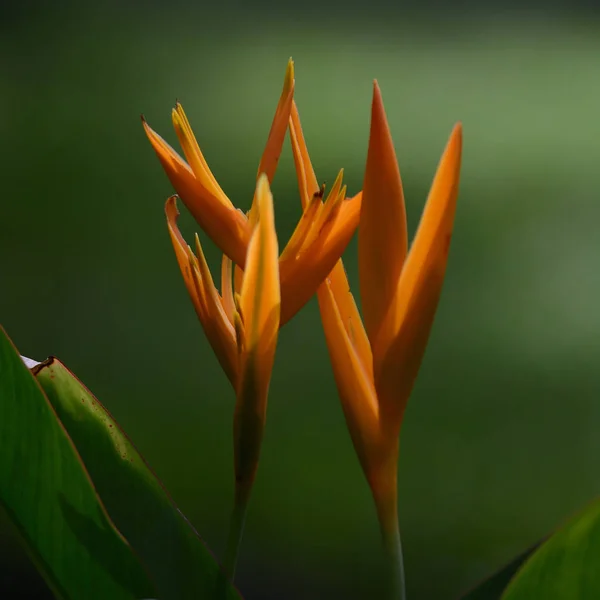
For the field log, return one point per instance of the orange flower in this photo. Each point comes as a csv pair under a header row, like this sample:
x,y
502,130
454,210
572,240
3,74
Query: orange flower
x,y
320,237
375,366
242,327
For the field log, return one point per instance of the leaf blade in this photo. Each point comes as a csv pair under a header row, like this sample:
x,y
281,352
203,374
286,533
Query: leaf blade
x,y
181,564
492,587
49,496
566,565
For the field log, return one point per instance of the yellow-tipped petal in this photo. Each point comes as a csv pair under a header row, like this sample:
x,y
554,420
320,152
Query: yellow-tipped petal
x,y
307,180
300,278
181,254
201,289
340,289
332,202
259,305
326,211
219,330
419,288
296,241
260,294
227,287
305,197
272,152
382,235
194,156
331,230
356,390
238,276
226,226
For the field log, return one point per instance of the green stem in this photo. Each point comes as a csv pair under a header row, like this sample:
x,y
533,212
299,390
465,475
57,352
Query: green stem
x,y
385,493
236,531
393,550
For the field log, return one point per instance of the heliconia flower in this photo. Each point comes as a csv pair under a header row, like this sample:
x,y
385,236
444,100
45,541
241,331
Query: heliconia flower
x,y
320,236
375,365
242,327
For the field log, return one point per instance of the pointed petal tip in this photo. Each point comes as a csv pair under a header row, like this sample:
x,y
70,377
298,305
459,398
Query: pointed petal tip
x,y
377,110
191,257
199,251
454,145
376,91
262,185
457,130
289,77
171,209
149,131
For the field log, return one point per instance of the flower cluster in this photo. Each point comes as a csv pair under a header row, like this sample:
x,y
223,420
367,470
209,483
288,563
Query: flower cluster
x,y
374,364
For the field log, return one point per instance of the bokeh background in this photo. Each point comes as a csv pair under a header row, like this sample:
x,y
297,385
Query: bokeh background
x,y
501,441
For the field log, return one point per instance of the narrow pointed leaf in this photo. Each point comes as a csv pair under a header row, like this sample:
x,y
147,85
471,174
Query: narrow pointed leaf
x,y
49,496
169,547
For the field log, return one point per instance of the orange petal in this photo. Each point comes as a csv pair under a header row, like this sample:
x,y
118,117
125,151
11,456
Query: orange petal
x,y
300,278
272,152
307,179
238,276
382,235
227,227
260,294
356,390
205,298
296,241
195,157
332,202
259,305
340,288
326,240
227,287
181,254
419,288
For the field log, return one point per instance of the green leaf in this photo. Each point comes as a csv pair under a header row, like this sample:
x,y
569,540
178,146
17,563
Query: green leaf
x,y
181,565
49,497
566,566
492,587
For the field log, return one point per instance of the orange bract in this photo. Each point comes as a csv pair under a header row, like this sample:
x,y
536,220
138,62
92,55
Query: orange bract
x,y
375,367
322,233
241,328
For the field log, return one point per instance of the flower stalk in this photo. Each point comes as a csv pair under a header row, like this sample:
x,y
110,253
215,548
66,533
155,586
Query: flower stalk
x,y
237,521
375,365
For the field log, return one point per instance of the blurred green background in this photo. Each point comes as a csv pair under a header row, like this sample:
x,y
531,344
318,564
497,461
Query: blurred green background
x,y
501,439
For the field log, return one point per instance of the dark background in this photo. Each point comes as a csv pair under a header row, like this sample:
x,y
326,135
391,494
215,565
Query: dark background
x,y
501,439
